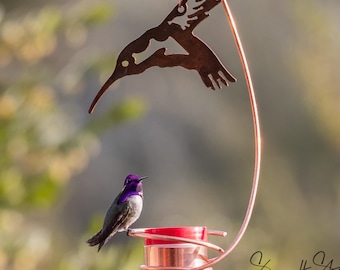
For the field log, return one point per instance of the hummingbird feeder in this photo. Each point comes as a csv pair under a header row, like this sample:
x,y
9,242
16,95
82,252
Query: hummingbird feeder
x,y
187,247
176,247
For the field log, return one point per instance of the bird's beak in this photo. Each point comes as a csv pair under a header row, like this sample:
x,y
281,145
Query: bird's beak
x,y
144,177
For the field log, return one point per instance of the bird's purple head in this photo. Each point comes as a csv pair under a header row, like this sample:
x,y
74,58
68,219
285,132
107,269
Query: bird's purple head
x,y
133,185
133,179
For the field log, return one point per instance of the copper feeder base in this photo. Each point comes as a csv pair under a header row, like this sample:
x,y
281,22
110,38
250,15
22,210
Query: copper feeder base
x,y
176,248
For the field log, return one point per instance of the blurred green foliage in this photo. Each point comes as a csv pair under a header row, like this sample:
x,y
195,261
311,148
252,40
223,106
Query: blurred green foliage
x,y
317,67
41,146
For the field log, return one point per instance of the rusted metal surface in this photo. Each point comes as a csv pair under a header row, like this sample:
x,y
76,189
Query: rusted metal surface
x,y
199,56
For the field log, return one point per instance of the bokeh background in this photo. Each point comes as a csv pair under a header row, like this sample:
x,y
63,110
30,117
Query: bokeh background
x,y
60,167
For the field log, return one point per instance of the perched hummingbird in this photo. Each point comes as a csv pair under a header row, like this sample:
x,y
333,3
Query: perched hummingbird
x,y
123,212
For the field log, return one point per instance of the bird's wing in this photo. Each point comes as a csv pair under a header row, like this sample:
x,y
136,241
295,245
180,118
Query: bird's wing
x,y
115,217
110,213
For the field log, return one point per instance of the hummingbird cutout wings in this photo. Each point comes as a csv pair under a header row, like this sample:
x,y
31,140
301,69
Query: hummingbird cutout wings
x,y
198,57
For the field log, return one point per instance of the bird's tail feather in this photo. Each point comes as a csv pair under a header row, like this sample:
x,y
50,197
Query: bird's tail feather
x,y
100,238
96,239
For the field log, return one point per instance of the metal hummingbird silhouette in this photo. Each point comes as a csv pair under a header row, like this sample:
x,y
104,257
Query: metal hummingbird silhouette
x,y
199,56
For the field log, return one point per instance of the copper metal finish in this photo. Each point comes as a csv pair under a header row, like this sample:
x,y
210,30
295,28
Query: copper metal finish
x,y
180,256
177,252
199,56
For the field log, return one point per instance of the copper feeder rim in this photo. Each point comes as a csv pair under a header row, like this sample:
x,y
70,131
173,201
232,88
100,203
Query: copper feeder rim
x,y
141,233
